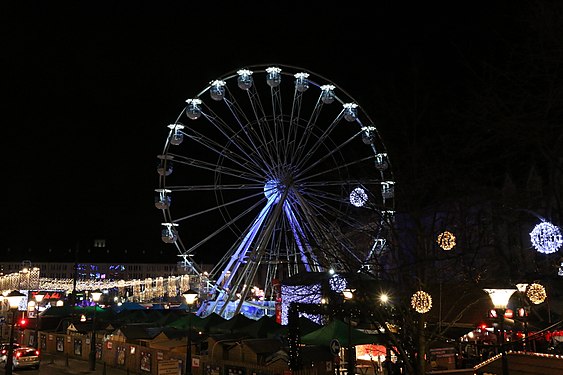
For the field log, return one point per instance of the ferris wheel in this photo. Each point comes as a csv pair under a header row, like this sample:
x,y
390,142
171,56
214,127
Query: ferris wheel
x,y
277,171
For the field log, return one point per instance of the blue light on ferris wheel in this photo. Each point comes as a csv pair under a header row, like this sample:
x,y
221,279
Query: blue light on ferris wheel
x,y
272,191
546,238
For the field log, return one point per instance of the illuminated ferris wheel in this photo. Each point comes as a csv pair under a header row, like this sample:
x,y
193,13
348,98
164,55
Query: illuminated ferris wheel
x,y
278,171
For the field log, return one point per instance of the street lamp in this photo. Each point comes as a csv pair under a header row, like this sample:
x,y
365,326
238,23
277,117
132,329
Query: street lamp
x,y
190,296
14,299
96,294
38,298
500,298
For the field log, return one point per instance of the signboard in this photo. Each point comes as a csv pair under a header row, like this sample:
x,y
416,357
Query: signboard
x,y
334,347
168,367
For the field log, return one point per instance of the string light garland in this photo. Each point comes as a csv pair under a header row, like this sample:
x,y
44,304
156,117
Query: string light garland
x,y
421,302
304,294
446,240
546,238
536,293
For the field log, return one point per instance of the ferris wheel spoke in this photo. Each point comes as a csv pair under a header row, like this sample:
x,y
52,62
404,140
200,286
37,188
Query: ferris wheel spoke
x,y
297,151
220,229
243,158
328,155
256,140
323,210
179,188
221,206
200,164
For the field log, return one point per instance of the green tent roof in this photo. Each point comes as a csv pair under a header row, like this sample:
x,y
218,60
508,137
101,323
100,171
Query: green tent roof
x,y
339,330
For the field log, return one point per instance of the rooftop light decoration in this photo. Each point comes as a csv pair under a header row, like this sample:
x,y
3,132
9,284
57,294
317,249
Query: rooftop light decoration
x,y
546,238
421,302
536,293
446,240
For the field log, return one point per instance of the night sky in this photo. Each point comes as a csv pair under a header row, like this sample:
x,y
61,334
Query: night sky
x,y
89,88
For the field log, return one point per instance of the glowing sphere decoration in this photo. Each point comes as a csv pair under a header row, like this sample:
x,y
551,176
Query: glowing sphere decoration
x,y
358,197
536,293
546,238
421,302
446,240
337,283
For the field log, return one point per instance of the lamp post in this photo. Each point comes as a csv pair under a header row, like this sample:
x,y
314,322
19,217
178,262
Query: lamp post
x,y
96,294
38,298
14,299
500,298
348,294
190,296
523,312
2,322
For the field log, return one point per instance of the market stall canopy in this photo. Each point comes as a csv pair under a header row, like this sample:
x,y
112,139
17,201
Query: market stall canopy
x,y
339,330
264,327
232,325
212,320
187,321
128,306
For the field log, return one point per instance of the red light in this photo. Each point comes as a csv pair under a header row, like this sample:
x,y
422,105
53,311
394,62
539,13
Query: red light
x,y
37,353
483,326
23,322
18,354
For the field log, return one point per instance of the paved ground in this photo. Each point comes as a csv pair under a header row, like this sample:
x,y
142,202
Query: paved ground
x,y
66,365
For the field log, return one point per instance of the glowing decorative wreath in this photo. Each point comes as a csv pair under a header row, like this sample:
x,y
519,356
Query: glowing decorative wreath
x,y
421,302
446,240
337,283
358,197
546,237
536,293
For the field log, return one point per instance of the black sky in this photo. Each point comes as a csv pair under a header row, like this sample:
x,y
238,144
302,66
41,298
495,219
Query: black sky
x,y
89,88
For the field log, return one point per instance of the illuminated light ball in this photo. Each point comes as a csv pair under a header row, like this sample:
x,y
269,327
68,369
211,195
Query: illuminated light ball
x,y
536,293
337,283
446,240
358,197
546,238
421,302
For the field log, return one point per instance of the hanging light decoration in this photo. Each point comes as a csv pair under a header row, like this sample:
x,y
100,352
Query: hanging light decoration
x,y
546,237
421,302
337,283
446,240
358,197
536,293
